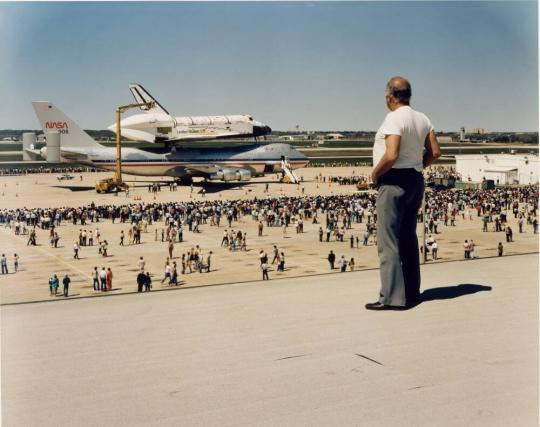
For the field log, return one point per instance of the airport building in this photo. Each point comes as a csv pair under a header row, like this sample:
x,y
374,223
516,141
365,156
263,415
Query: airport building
x,y
501,168
334,136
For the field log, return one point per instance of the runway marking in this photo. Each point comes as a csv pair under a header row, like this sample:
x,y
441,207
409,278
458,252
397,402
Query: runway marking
x,y
54,257
373,360
292,357
421,386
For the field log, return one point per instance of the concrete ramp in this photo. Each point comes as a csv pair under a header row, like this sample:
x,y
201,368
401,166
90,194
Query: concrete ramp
x,y
300,352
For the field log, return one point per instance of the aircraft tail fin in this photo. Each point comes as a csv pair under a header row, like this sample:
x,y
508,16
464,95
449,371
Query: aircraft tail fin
x,y
52,119
141,96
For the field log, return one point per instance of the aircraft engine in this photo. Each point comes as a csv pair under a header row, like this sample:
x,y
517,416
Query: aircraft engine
x,y
231,175
223,175
243,175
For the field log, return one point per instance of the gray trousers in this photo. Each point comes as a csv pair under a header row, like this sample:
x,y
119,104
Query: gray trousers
x,y
400,196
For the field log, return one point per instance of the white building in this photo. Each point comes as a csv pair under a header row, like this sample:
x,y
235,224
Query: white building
x,y
501,168
444,139
334,136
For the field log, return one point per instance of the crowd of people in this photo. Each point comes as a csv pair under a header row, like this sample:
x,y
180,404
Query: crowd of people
x,y
445,172
335,215
32,171
315,164
349,180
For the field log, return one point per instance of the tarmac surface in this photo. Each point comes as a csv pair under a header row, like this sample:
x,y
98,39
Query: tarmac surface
x,y
300,352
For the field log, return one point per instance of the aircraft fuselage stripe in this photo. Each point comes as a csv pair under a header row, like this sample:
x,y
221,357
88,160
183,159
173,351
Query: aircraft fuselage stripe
x,y
155,163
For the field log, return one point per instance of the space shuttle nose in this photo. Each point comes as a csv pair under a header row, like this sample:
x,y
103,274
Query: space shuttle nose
x,y
261,130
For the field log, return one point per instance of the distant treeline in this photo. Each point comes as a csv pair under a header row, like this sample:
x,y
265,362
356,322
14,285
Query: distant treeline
x,y
506,137
523,138
16,134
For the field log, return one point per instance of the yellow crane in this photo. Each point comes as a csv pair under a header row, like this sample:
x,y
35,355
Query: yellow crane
x,y
116,183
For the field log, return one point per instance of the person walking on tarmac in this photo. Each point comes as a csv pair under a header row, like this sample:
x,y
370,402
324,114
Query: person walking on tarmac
x,y
66,281
332,259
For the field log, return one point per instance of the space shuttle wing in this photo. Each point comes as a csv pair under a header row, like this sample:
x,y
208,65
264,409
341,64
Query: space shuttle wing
x,y
206,135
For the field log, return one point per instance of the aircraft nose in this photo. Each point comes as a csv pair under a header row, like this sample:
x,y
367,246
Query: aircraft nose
x,y
261,130
302,155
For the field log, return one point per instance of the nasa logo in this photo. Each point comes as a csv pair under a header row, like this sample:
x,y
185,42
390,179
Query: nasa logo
x,y
56,125
61,127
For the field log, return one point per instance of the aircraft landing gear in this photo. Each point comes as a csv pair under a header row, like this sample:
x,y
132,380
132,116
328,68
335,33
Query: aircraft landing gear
x,y
186,180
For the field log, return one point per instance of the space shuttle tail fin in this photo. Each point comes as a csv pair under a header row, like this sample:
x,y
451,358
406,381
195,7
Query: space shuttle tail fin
x,y
142,96
54,120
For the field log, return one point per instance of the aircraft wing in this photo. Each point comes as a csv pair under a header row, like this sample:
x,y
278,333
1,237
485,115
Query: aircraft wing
x,y
34,154
205,168
212,168
73,155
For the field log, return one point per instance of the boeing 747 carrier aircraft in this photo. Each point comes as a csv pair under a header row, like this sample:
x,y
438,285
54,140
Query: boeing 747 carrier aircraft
x,y
238,163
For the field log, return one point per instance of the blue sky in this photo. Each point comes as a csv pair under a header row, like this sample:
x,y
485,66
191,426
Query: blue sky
x,y
321,65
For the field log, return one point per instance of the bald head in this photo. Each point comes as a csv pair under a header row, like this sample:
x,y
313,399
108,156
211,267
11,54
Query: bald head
x,y
399,89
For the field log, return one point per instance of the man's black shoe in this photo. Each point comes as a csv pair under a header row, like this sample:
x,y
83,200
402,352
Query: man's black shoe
x,y
413,302
379,306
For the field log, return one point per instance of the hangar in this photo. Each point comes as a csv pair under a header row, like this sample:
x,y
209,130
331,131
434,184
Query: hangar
x,y
503,169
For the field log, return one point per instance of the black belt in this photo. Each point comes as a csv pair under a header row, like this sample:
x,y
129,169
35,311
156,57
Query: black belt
x,y
401,177
402,171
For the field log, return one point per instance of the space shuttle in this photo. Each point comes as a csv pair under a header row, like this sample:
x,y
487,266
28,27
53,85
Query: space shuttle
x,y
155,124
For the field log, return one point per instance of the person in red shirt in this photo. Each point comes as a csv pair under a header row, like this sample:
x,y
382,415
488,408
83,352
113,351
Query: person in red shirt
x,y
109,279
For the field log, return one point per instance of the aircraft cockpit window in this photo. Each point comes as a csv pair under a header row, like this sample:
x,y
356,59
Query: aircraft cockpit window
x,y
250,118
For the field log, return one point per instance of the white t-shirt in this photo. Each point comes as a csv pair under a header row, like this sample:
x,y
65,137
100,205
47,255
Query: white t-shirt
x,y
413,127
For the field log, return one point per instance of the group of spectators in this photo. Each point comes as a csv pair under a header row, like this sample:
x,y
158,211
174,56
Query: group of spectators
x,y
445,172
349,180
30,171
315,164
234,240
334,213
337,210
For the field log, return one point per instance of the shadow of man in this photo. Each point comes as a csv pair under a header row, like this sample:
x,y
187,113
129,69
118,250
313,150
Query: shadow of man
x,y
450,292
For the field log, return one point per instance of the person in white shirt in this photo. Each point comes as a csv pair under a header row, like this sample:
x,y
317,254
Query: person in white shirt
x,y
398,159
471,249
103,279
167,274
434,249
4,262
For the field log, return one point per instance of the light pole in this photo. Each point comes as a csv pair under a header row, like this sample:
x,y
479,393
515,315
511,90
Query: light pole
x,y
119,111
118,173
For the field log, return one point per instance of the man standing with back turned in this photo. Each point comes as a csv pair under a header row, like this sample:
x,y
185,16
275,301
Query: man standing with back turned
x,y
398,159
